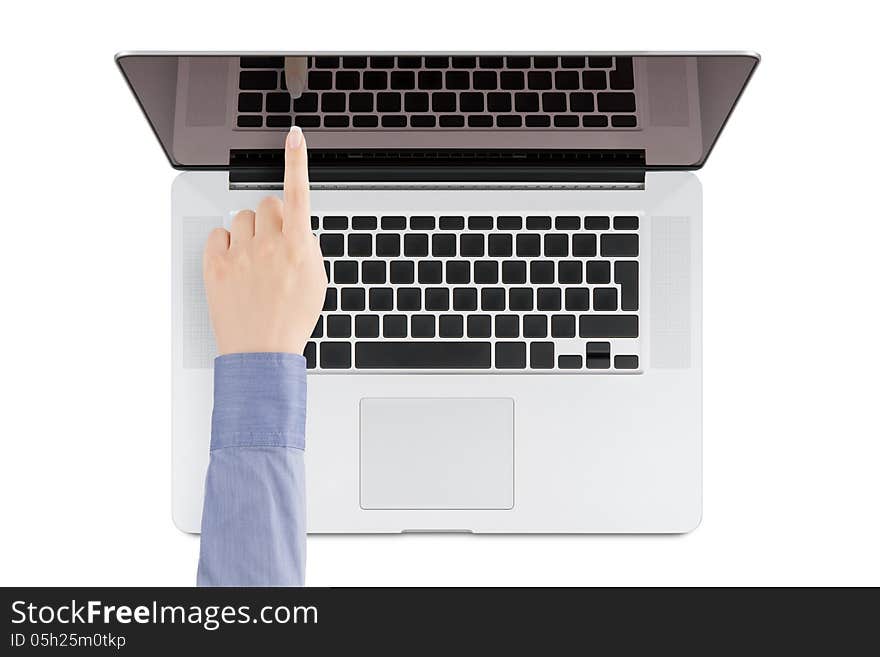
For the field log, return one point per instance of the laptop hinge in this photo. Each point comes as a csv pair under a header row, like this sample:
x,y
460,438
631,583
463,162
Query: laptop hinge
x,y
445,169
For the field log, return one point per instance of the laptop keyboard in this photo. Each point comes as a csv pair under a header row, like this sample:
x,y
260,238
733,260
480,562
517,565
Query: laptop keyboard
x,y
498,293
454,92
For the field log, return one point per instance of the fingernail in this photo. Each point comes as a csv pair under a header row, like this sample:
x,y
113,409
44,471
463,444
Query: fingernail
x,y
294,137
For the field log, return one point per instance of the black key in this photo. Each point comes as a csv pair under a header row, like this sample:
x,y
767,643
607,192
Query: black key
x,y
314,223
375,80
393,121
553,101
546,62
381,298
528,245
597,223
626,223
577,298
420,222
348,80
622,75
415,101
594,80
598,271
598,355
364,223
471,101
540,80
345,271
335,355
509,121
464,298
485,271
537,121
333,102
422,121
620,245
562,326
436,62
338,326
352,298
327,269
623,121
354,62
254,80
364,121
382,62
595,121
261,61
500,245
480,223
394,223
573,62
519,62
423,355
556,246
491,62
542,355
326,62
388,101
583,245
492,298
581,102
458,271
479,326
567,79
451,121
409,62
443,246
330,299
472,246
310,353
570,362
415,245
335,121
409,298
360,246
320,80
373,272
388,245
437,298
549,298
403,80
485,80
513,272
430,271
332,245
366,326
538,223
510,355
568,223
565,121
250,102
304,121
542,271
509,223
394,326
626,275
318,331
605,298
609,326
534,326
360,102
246,121
506,326
626,362
422,326
521,298
616,102
458,80
335,223
600,62
464,62
571,272
526,102
451,223
443,102
402,271
512,80
430,80
451,326
479,121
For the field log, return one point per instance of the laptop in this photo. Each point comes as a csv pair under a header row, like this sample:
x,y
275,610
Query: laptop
x,y
511,337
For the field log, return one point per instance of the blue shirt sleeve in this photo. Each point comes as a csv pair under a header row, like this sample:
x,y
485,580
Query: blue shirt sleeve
x,y
253,521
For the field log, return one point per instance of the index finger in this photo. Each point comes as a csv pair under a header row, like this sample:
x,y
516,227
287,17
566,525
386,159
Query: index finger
x,y
296,182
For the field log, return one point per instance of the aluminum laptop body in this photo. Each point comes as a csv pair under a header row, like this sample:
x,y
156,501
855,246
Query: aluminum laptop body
x,y
511,341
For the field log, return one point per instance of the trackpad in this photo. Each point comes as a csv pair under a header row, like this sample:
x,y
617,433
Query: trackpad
x,y
436,453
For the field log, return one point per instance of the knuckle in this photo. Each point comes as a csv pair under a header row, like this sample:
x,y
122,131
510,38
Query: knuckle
x,y
269,204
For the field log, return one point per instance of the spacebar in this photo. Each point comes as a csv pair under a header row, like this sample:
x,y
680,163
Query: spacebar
x,y
422,355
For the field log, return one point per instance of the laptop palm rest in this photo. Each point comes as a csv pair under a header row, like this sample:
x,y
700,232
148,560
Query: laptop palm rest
x,y
424,453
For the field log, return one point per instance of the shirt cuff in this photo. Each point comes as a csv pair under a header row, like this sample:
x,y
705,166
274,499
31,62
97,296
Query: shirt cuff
x,y
259,401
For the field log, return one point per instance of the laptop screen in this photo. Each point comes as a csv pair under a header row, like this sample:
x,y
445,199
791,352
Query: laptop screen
x,y
653,110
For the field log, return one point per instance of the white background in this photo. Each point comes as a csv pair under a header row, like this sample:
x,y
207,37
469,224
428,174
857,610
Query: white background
x,y
791,244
